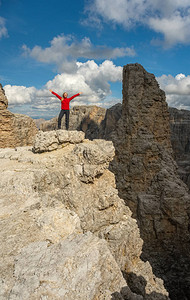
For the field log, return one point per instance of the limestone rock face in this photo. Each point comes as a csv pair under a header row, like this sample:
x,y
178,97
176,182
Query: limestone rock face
x,y
15,129
79,264
180,138
147,178
65,233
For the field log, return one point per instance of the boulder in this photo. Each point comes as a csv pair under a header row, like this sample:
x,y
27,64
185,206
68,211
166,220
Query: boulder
x,y
52,140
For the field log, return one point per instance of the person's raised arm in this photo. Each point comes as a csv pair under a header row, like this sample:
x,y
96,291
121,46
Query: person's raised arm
x,y
75,96
60,98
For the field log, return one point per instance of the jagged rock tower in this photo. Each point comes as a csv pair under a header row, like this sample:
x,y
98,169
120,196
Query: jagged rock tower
x,y
147,179
16,130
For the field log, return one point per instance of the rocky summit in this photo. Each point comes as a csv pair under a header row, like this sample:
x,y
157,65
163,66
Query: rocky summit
x,y
65,233
97,219
15,129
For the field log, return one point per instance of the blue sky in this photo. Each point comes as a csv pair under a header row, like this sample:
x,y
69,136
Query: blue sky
x,y
82,46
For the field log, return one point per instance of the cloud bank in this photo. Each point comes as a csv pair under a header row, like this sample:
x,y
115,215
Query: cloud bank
x,y
91,79
170,18
65,50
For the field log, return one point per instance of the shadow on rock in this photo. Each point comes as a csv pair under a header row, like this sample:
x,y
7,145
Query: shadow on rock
x,y
136,290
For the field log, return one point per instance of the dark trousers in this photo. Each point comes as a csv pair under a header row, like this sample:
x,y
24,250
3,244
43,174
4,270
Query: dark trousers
x,y
61,114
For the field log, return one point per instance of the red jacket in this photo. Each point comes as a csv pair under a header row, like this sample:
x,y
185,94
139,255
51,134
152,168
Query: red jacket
x,y
65,101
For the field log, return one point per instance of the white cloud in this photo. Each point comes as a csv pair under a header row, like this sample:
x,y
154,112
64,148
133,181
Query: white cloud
x,y
19,94
123,12
177,90
64,51
179,76
179,102
90,78
3,29
170,17
179,85
175,29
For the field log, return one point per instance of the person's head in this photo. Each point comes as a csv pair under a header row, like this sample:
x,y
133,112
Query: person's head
x,y
65,95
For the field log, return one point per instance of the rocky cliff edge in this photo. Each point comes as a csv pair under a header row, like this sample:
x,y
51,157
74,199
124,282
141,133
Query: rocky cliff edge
x,y
65,233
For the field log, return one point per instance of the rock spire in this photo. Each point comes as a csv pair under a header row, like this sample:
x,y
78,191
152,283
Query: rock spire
x,y
146,173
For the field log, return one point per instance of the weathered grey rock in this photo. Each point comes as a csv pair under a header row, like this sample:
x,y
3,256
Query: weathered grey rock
x,y
109,124
147,178
50,125
42,198
180,138
38,122
180,132
52,140
94,159
15,129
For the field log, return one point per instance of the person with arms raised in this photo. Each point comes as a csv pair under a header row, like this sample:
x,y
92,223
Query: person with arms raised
x,y
64,107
